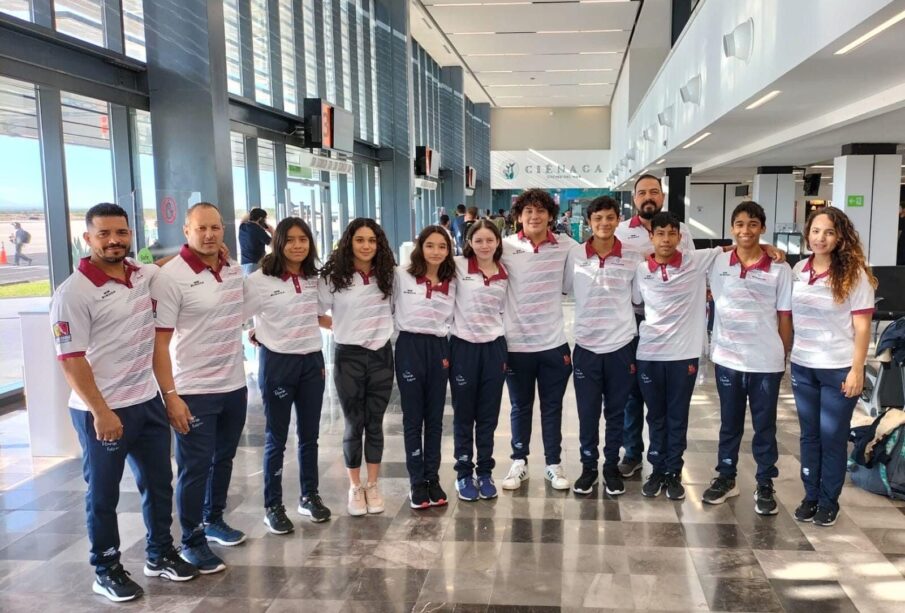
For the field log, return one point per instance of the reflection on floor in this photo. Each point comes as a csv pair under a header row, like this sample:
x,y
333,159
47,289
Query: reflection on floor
x,y
533,550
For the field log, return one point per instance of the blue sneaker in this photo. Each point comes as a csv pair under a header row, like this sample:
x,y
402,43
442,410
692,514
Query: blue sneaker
x,y
486,487
466,489
221,533
202,558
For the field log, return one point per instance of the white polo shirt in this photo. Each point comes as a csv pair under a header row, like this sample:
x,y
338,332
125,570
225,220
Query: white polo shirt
x,y
745,328
204,309
361,315
674,297
632,232
533,317
604,318
420,306
824,334
285,311
111,324
480,301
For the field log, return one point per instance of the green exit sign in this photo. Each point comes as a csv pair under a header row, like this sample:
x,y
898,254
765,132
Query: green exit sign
x,y
853,201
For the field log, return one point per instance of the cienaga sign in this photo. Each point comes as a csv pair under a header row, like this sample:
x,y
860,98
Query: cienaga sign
x,y
533,168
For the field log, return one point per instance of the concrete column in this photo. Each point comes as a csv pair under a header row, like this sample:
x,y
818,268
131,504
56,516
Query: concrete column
x,y
394,90
482,192
452,135
189,113
774,189
866,184
676,186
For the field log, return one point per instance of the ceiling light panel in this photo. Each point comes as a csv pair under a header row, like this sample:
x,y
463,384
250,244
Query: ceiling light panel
x,y
509,77
608,64
534,44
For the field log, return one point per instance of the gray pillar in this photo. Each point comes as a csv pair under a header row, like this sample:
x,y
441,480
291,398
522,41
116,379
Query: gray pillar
x,y
681,13
120,137
246,52
452,136
189,111
114,36
362,191
676,183
394,90
279,173
342,200
327,207
252,173
275,54
482,194
774,189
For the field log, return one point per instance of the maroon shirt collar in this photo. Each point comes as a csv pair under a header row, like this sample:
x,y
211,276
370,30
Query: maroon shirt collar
x,y
443,287
615,252
473,269
99,277
809,268
197,265
674,262
365,277
762,264
550,238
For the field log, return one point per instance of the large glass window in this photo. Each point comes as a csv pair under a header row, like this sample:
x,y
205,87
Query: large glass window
x,y
260,32
83,19
362,90
142,130
309,26
233,41
329,64
287,53
89,162
16,8
374,98
240,185
268,178
347,51
134,29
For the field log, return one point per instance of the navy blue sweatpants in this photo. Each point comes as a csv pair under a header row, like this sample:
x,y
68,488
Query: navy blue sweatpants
x,y
825,417
633,432
738,389
603,379
550,371
145,444
422,372
285,380
476,376
667,388
204,457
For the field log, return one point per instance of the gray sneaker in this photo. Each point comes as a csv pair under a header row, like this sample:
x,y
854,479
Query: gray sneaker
x,y
629,467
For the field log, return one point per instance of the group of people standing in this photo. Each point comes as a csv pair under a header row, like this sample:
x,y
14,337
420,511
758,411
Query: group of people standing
x,y
147,348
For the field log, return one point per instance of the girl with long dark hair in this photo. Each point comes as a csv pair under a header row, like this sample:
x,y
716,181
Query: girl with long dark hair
x,y
477,355
832,304
357,287
424,298
282,296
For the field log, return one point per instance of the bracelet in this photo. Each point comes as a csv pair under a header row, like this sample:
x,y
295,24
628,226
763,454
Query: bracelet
x,y
172,391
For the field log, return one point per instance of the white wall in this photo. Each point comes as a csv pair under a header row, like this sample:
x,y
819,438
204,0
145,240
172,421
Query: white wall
x,y
706,215
570,128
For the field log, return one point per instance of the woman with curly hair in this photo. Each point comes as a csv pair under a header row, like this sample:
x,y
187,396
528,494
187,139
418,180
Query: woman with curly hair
x,y
832,304
356,287
424,297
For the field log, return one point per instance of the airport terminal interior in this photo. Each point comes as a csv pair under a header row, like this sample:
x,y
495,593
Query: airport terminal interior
x,y
401,111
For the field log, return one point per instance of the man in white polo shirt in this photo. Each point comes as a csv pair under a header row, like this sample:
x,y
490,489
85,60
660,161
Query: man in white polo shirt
x,y
752,334
103,326
199,307
539,355
648,198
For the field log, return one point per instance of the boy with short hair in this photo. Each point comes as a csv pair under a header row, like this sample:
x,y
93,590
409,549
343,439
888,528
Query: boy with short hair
x,y
752,334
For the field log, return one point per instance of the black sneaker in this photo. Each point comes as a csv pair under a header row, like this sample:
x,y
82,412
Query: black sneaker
x,y
276,520
720,489
654,484
629,466
765,499
419,498
436,494
674,488
116,585
806,510
615,486
585,483
312,506
171,566
825,517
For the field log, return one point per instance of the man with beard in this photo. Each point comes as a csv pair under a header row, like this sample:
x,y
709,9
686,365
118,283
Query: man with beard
x,y
103,325
648,198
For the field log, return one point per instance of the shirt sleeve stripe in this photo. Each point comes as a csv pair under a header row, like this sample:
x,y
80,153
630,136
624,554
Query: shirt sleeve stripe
x,y
863,311
159,329
74,354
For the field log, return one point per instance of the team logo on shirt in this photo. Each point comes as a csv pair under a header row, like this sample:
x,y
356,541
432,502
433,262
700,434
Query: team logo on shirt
x,y
61,332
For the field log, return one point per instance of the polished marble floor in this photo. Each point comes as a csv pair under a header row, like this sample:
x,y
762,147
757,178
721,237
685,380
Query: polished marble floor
x,y
533,550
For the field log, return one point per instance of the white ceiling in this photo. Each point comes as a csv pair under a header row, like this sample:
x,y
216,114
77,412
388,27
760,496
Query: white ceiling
x,y
522,53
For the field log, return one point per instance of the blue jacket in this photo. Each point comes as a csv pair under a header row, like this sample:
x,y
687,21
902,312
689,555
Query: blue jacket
x,y
252,240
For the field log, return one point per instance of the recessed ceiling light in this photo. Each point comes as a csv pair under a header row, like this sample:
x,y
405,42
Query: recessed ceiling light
x,y
696,141
576,31
597,53
496,54
763,100
866,37
821,166
660,161
590,84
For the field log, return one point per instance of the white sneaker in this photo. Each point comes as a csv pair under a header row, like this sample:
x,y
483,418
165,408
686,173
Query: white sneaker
x,y
557,478
373,498
357,505
517,474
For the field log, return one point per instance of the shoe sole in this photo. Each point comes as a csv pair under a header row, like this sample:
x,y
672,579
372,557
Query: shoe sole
x,y
568,485
825,524
766,513
730,494
375,510
166,574
682,497
307,513
483,497
357,513
210,571
467,499
587,491
652,495
511,487
614,492
97,589
631,473
420,507
219,541
440,503
273,530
